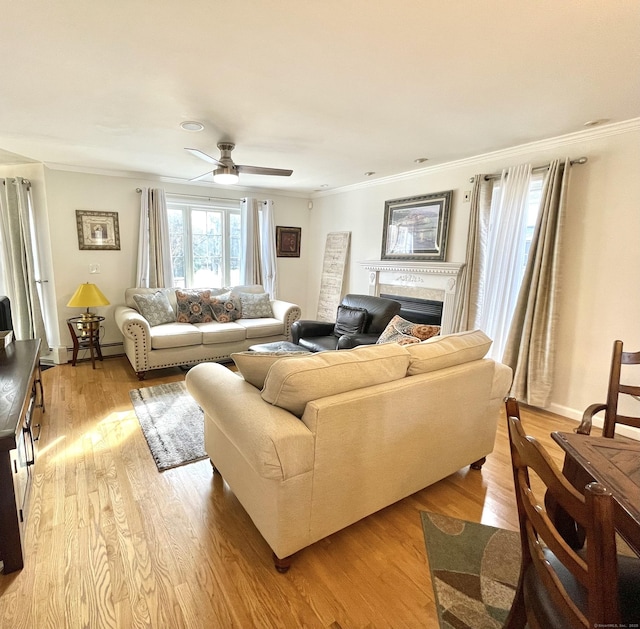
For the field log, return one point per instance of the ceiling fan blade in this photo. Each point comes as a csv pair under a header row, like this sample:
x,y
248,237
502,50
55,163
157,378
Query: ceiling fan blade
x,y
203,176
259,170
204,156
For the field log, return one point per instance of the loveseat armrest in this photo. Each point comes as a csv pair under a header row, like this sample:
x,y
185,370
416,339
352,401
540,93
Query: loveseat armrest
x,y
349,341
305,328
286,312
137,336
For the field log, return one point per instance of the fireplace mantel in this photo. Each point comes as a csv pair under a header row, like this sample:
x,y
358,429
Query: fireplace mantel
x,y
427,280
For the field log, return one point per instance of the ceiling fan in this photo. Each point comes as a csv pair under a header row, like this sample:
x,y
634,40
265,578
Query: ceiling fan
x,y
227,172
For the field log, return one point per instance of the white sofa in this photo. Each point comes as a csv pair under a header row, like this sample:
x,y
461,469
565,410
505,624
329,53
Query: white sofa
x,y
154,347
312,443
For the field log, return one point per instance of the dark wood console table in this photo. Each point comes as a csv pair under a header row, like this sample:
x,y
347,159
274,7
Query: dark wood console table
x,y
20,394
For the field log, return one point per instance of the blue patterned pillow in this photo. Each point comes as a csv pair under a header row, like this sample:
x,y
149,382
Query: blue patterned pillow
x,y
226,307
155,308
194,306
256,305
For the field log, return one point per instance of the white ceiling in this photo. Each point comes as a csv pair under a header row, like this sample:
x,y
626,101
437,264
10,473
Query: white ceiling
x,y
329,88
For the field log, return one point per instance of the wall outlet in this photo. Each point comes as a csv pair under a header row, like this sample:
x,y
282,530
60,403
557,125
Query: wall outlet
x,y
94,268
467,196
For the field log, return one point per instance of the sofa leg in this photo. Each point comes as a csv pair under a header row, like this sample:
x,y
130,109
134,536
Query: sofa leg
x,y
141,374
214,469
282,565
477,465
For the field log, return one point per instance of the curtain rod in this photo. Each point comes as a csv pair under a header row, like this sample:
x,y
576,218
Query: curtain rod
x,y
579,160
196,196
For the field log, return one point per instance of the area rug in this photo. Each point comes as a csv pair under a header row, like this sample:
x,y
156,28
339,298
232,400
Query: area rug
x,y
172,423
474,571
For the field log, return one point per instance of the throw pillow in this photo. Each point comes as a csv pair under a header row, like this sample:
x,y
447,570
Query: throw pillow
x,y
404,332
194,306
226,307
350,320
155,308
254,366
256,306
448,350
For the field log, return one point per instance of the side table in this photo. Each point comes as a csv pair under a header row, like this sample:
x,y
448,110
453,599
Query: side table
x,y
85,334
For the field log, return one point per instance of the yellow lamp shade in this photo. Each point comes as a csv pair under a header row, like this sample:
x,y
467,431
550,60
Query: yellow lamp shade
x,y
86,296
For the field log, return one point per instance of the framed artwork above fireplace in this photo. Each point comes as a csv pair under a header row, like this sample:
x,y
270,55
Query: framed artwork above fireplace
x,y
416,228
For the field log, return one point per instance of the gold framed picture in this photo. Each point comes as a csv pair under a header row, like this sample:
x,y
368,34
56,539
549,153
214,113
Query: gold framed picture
x,y
98,230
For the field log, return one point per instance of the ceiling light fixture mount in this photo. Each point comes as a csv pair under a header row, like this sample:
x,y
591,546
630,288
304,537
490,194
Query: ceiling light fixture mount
x,y
596,122
369,173
421,160
192,125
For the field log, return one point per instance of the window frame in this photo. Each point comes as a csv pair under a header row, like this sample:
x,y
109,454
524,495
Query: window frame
x,y
187,205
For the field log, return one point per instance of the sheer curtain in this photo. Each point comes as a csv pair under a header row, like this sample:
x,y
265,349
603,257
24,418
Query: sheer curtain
x,y
20,260
268,250
472,280
505,256
531,342
154,248
250,258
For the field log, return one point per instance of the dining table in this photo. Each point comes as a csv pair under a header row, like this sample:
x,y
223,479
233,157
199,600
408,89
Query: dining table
x,y
613,462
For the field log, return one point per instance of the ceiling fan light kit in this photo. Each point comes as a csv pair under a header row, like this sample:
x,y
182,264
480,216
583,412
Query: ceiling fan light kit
x,y
227,172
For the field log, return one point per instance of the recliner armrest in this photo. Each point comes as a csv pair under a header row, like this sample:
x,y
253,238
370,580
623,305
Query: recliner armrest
x,y
349,341
304,328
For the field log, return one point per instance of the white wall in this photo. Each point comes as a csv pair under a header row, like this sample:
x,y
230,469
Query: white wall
x,y
601,289
67,192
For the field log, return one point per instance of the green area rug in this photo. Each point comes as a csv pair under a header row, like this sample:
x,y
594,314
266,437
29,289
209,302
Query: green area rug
x,y
172,423
474,571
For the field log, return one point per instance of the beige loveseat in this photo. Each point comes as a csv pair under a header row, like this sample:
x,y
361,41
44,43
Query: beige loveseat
x,y
335,436
182,343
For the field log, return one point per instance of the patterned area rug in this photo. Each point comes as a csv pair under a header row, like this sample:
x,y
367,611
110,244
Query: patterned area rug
x,y
474,571
172,423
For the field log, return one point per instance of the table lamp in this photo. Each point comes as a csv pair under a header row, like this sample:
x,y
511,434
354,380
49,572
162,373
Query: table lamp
x,y
86,296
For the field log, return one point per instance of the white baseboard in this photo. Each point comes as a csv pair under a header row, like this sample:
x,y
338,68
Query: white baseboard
x,y
598,421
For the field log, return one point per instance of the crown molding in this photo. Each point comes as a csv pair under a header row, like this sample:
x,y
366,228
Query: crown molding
x,y
522,149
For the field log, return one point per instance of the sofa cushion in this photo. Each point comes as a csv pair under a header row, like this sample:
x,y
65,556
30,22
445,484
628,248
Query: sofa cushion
x,y
254,366
256,305
446,351
226,307
350,320
175,335
221,332
194,305
261,328
293,382
155,308
404,332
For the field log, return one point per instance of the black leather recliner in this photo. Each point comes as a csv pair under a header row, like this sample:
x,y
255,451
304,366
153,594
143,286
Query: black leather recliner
x,y
360,320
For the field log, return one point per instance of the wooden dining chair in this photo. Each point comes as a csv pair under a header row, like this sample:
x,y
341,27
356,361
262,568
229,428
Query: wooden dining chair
x,y
616,389
558,586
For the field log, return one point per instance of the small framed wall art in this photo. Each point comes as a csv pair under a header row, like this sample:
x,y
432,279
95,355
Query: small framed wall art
x,y
416,228
98,230
288,242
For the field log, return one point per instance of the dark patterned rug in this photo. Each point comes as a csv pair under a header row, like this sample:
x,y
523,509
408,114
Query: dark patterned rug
x,y
172,423
474,571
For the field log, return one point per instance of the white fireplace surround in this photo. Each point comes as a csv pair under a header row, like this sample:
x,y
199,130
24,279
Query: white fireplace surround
x,y
425,280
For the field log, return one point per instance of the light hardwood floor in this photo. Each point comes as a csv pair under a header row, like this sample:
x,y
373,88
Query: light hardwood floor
x,y
111,542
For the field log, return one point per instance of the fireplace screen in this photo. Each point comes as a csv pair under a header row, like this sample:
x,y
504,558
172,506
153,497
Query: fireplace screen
x,y
416,228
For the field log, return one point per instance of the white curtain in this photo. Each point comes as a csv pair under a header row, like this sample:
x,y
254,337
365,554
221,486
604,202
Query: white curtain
x,y
250,258
505,256
20,259
530,348
268,241
154,248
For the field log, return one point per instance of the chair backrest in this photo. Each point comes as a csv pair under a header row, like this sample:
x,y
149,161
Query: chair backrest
x,y
616,388
379,310
574,589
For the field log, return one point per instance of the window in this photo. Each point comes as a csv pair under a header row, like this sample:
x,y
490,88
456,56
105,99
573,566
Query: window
x,y
510,235
205,242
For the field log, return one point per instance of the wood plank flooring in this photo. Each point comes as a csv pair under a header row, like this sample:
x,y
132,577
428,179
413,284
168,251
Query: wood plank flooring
x,y
111,542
